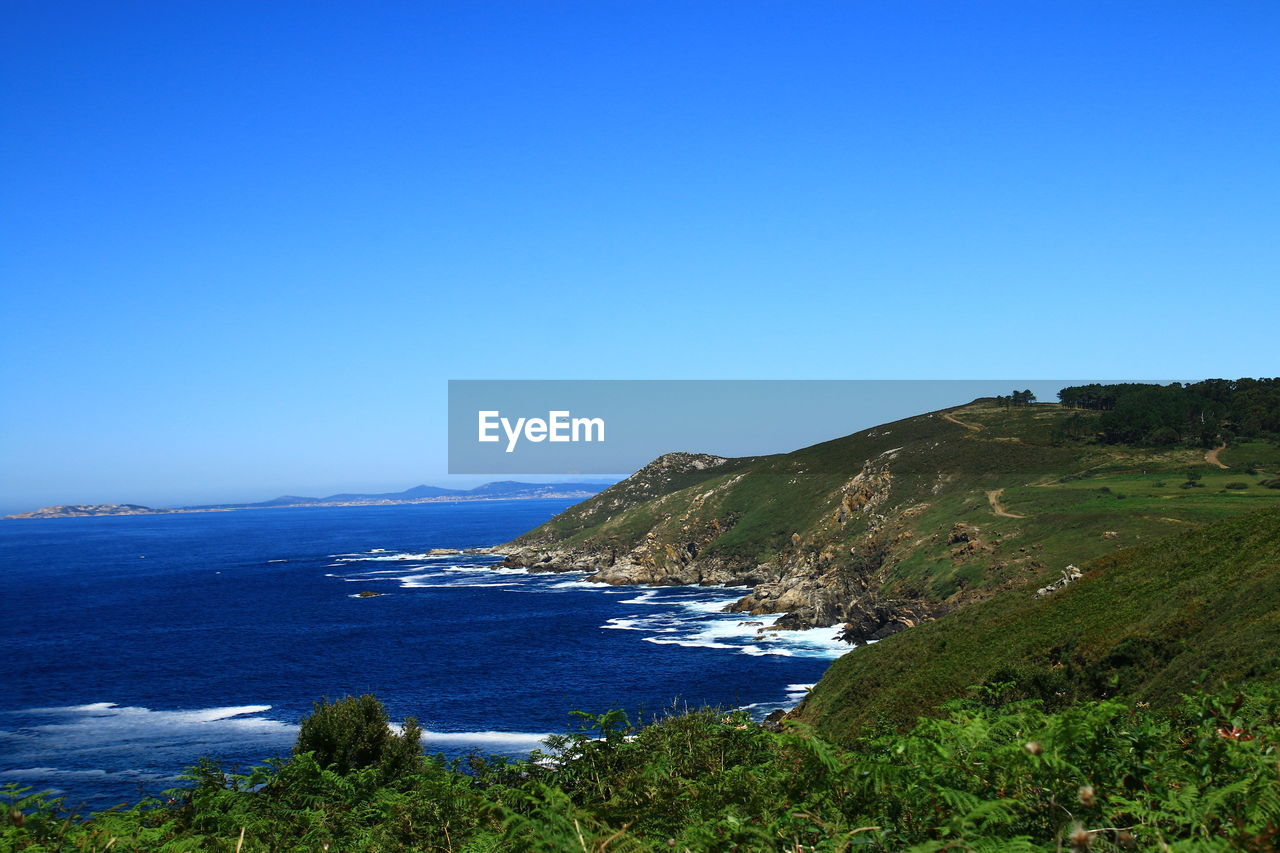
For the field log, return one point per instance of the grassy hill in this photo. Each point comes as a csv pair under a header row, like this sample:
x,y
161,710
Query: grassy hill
x,y
1197,611
902,523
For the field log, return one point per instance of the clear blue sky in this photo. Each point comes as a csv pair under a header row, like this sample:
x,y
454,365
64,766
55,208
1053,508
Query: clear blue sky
x,y
244,245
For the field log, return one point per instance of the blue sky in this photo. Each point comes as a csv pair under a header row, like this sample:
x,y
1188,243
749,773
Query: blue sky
x,y
244,246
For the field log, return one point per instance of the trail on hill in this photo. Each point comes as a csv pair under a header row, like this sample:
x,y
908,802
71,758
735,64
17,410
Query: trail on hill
x,y
993,498
955,420
1211,456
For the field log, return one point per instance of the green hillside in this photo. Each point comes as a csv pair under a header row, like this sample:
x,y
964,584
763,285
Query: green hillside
x,y
1197,611
909,521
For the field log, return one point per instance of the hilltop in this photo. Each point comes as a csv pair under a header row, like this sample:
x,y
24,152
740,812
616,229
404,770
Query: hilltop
x,y
897,525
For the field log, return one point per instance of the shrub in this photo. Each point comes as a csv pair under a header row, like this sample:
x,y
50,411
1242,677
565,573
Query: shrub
x,y
354,733
1236,486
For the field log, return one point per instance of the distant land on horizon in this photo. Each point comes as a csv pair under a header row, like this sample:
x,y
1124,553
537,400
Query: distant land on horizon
x,y
501,490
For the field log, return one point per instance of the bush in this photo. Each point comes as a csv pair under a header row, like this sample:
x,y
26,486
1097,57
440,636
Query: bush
x,y
1236,486
990,774
354,733
1191,484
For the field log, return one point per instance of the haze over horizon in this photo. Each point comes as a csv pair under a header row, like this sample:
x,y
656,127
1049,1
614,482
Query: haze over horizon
x,y
244,246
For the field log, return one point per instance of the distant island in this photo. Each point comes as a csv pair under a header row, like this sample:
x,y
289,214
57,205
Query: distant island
x,y
500,491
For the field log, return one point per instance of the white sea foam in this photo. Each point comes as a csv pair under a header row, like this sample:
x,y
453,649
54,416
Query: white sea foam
x,y
38,774
799,691
412,583
701,623
716,605
575,585
387,557
482,741
640,623
475,568
169,738
690,643
645,597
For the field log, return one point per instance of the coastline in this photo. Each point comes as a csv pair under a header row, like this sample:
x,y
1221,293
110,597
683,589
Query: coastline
x,y
47,514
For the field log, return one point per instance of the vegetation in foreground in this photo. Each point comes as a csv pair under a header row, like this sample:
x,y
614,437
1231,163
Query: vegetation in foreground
x,y
1099,775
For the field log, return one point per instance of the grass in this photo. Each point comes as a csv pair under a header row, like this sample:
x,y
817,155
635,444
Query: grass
x,y
1198,610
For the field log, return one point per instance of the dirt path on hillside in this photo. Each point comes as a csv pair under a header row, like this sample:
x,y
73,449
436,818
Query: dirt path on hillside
x,y
1211,456
955,420
993,498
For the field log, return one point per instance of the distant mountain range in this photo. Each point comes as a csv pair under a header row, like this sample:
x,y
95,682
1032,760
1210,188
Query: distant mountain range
x,y
503,490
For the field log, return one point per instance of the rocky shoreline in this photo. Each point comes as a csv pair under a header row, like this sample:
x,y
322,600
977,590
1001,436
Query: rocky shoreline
x,y
805,599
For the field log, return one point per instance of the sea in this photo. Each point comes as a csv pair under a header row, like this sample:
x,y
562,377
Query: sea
x,y
135,645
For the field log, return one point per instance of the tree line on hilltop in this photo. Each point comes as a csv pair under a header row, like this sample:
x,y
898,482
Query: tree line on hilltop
x,y
1205,413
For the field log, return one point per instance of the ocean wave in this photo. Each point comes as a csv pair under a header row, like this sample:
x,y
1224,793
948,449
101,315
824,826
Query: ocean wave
x,y
576,585
412,583
387,558
39,774
480,568
132,742
503,742
690,643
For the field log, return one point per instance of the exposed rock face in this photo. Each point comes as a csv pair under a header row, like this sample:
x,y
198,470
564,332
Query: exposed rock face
x,y
1069,575
876,619
967,541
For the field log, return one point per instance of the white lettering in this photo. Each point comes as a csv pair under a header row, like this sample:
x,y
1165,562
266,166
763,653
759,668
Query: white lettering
x,y
487,424
558,422
587,424
513,435
559,426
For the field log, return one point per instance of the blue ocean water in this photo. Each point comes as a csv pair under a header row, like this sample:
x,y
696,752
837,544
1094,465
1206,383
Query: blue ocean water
x,y
135,644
